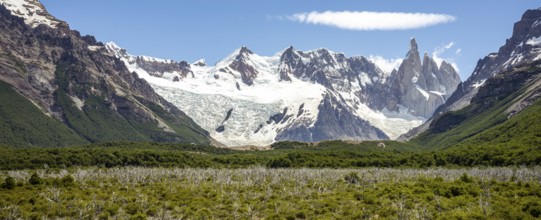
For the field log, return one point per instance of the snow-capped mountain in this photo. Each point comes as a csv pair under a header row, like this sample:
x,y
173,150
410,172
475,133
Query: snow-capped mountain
x,y
248,99
523,47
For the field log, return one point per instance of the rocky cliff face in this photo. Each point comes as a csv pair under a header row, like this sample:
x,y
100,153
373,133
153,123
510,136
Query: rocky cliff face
x,y
421,86
522,49
74,79
303,95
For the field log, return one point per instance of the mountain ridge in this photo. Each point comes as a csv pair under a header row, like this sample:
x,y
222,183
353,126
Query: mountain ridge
x,y
521,48
356,83
68,78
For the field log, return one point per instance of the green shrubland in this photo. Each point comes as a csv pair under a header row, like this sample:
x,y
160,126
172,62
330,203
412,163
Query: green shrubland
x,y
174,193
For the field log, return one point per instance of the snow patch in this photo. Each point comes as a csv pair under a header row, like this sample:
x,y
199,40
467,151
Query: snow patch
x,y
78,102
479,83
94,48
534,41
393,124
440,94
423,92
365,79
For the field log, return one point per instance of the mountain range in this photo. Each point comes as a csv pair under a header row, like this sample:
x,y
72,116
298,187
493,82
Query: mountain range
x,y
59,88
309,96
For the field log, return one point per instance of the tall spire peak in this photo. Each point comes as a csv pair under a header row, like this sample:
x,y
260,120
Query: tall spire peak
x,y
413,44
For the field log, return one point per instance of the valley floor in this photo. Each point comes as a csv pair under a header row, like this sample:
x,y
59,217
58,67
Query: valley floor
x,y
257,193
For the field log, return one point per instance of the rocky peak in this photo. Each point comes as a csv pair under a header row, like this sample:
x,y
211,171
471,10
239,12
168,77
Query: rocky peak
x,y
413,50
32,11
244,51
156,67
524,46
413,44
243,65
421,86
289,61
200,63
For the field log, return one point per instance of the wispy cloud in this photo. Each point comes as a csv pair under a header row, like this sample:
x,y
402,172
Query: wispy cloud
x,y
387,65
369,21
437,55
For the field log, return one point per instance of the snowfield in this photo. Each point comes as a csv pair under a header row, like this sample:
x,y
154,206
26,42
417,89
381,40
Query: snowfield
x,y
211,93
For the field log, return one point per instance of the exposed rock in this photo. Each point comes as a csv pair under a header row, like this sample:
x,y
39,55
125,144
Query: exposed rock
x,y
415,90
523,48
334,122
59,69
421,86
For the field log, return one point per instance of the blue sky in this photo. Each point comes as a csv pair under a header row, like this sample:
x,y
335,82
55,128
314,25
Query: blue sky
x,y
211,29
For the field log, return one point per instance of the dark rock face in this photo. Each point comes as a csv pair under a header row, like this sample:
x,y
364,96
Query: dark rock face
x,y
67,75
247,71
335,121
157,69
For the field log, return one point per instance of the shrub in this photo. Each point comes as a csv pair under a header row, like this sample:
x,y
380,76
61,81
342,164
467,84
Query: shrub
x,y
9,183
67,180
280,163
35,179
352,178
465,178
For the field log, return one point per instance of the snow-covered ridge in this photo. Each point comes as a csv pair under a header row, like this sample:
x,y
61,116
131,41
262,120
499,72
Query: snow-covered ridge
x,y
211,93
285,94
32,11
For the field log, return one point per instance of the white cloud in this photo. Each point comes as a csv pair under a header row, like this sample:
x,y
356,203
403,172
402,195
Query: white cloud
x,y
437,53
387,65
369,21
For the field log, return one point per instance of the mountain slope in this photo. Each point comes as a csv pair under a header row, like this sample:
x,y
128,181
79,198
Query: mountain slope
x,y
35,128
523,47
248,99
491,106
502,98
74,80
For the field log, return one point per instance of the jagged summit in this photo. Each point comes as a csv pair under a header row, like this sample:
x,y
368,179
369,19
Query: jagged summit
x,y
523,47
413,44
248,99
244,50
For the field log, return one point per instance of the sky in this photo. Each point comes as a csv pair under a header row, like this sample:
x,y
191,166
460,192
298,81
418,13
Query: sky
x,y
460,31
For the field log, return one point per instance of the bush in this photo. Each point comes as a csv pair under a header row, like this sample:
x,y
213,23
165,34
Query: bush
x,y
35,179
67,180
280,163
352,178
465,178
9,183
